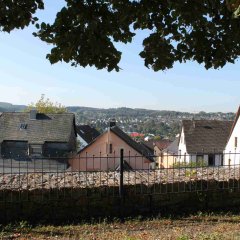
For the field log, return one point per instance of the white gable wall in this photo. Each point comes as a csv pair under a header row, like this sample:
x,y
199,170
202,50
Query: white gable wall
x,y
182,149
230,157
82,142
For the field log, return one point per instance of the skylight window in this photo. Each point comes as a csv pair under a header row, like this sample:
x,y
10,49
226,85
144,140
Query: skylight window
x,y
208,127
23,126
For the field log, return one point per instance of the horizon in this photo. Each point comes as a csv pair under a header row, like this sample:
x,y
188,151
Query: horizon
x,y
133,108
25,74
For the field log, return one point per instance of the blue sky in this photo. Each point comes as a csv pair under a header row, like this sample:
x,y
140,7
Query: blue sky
x,y
25,74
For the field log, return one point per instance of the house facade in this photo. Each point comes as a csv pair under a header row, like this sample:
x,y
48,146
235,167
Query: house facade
x,y
158,148
103,153
37,135
169,155
203,141
232,150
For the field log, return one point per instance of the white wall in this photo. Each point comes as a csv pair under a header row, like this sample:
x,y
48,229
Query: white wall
x,y
82,142
230,150
182,149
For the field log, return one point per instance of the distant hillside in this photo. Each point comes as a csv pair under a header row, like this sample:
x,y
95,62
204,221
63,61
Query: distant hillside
x,y
8,107
123,112
163,123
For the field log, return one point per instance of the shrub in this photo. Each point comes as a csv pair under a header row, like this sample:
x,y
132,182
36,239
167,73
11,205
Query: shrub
x,y
190,164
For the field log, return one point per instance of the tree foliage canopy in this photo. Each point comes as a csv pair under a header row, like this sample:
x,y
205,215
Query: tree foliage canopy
x,y
44,105
84,31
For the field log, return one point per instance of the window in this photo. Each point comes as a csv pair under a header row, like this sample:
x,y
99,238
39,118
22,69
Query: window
x,y
110,148
200,159
236,142
211,160
221,159
23,126
36,149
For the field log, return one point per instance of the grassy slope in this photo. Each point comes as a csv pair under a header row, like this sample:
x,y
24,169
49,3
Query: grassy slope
x,y
200,226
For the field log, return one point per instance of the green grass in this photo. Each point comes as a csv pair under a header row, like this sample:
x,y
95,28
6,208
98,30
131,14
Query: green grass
x,y
202,226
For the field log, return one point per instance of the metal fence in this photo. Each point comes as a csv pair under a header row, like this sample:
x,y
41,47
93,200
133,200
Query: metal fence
x,y
113,174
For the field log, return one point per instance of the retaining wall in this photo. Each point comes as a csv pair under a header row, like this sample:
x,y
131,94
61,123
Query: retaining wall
x,y
76,204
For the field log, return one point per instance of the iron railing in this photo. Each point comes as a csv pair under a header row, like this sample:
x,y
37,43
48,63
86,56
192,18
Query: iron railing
x,y
117,174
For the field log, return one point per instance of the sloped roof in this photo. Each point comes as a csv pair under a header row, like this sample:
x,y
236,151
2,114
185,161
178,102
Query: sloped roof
x,y
46,128
145,151
149,145
126,166
162,144
173,147
87,133
207,136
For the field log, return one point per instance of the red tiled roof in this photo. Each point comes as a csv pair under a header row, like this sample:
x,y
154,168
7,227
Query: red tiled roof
x,y
162,144
136,134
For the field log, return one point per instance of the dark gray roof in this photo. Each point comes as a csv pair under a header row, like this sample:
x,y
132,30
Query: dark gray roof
x,y
149,145
87,133
46,128
207,136
173,147
126,166
141,148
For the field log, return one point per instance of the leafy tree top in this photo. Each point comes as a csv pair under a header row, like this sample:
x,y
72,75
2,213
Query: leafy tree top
x,y
84,31
44,105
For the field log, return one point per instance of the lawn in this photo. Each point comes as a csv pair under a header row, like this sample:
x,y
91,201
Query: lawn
x,y
199,226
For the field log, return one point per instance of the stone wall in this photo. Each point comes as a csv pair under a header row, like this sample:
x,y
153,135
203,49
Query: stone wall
x,y
76,204
73,179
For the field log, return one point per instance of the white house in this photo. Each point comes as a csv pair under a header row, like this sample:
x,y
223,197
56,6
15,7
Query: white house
x,y
203,140
232,150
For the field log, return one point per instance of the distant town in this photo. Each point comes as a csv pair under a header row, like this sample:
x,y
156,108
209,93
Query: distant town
x,y
139,123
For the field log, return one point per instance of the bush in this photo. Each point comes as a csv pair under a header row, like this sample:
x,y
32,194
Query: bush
x,y
190,164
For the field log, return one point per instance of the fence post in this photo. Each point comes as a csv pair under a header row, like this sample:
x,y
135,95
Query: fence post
x,y
121,174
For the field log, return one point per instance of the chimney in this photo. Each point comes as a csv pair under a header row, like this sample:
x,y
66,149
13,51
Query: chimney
x,y
33,114
112,123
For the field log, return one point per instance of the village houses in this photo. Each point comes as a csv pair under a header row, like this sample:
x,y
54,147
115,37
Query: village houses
x,y
32,134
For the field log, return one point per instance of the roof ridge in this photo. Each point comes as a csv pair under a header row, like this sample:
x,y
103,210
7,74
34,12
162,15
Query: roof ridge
x,y
132,143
